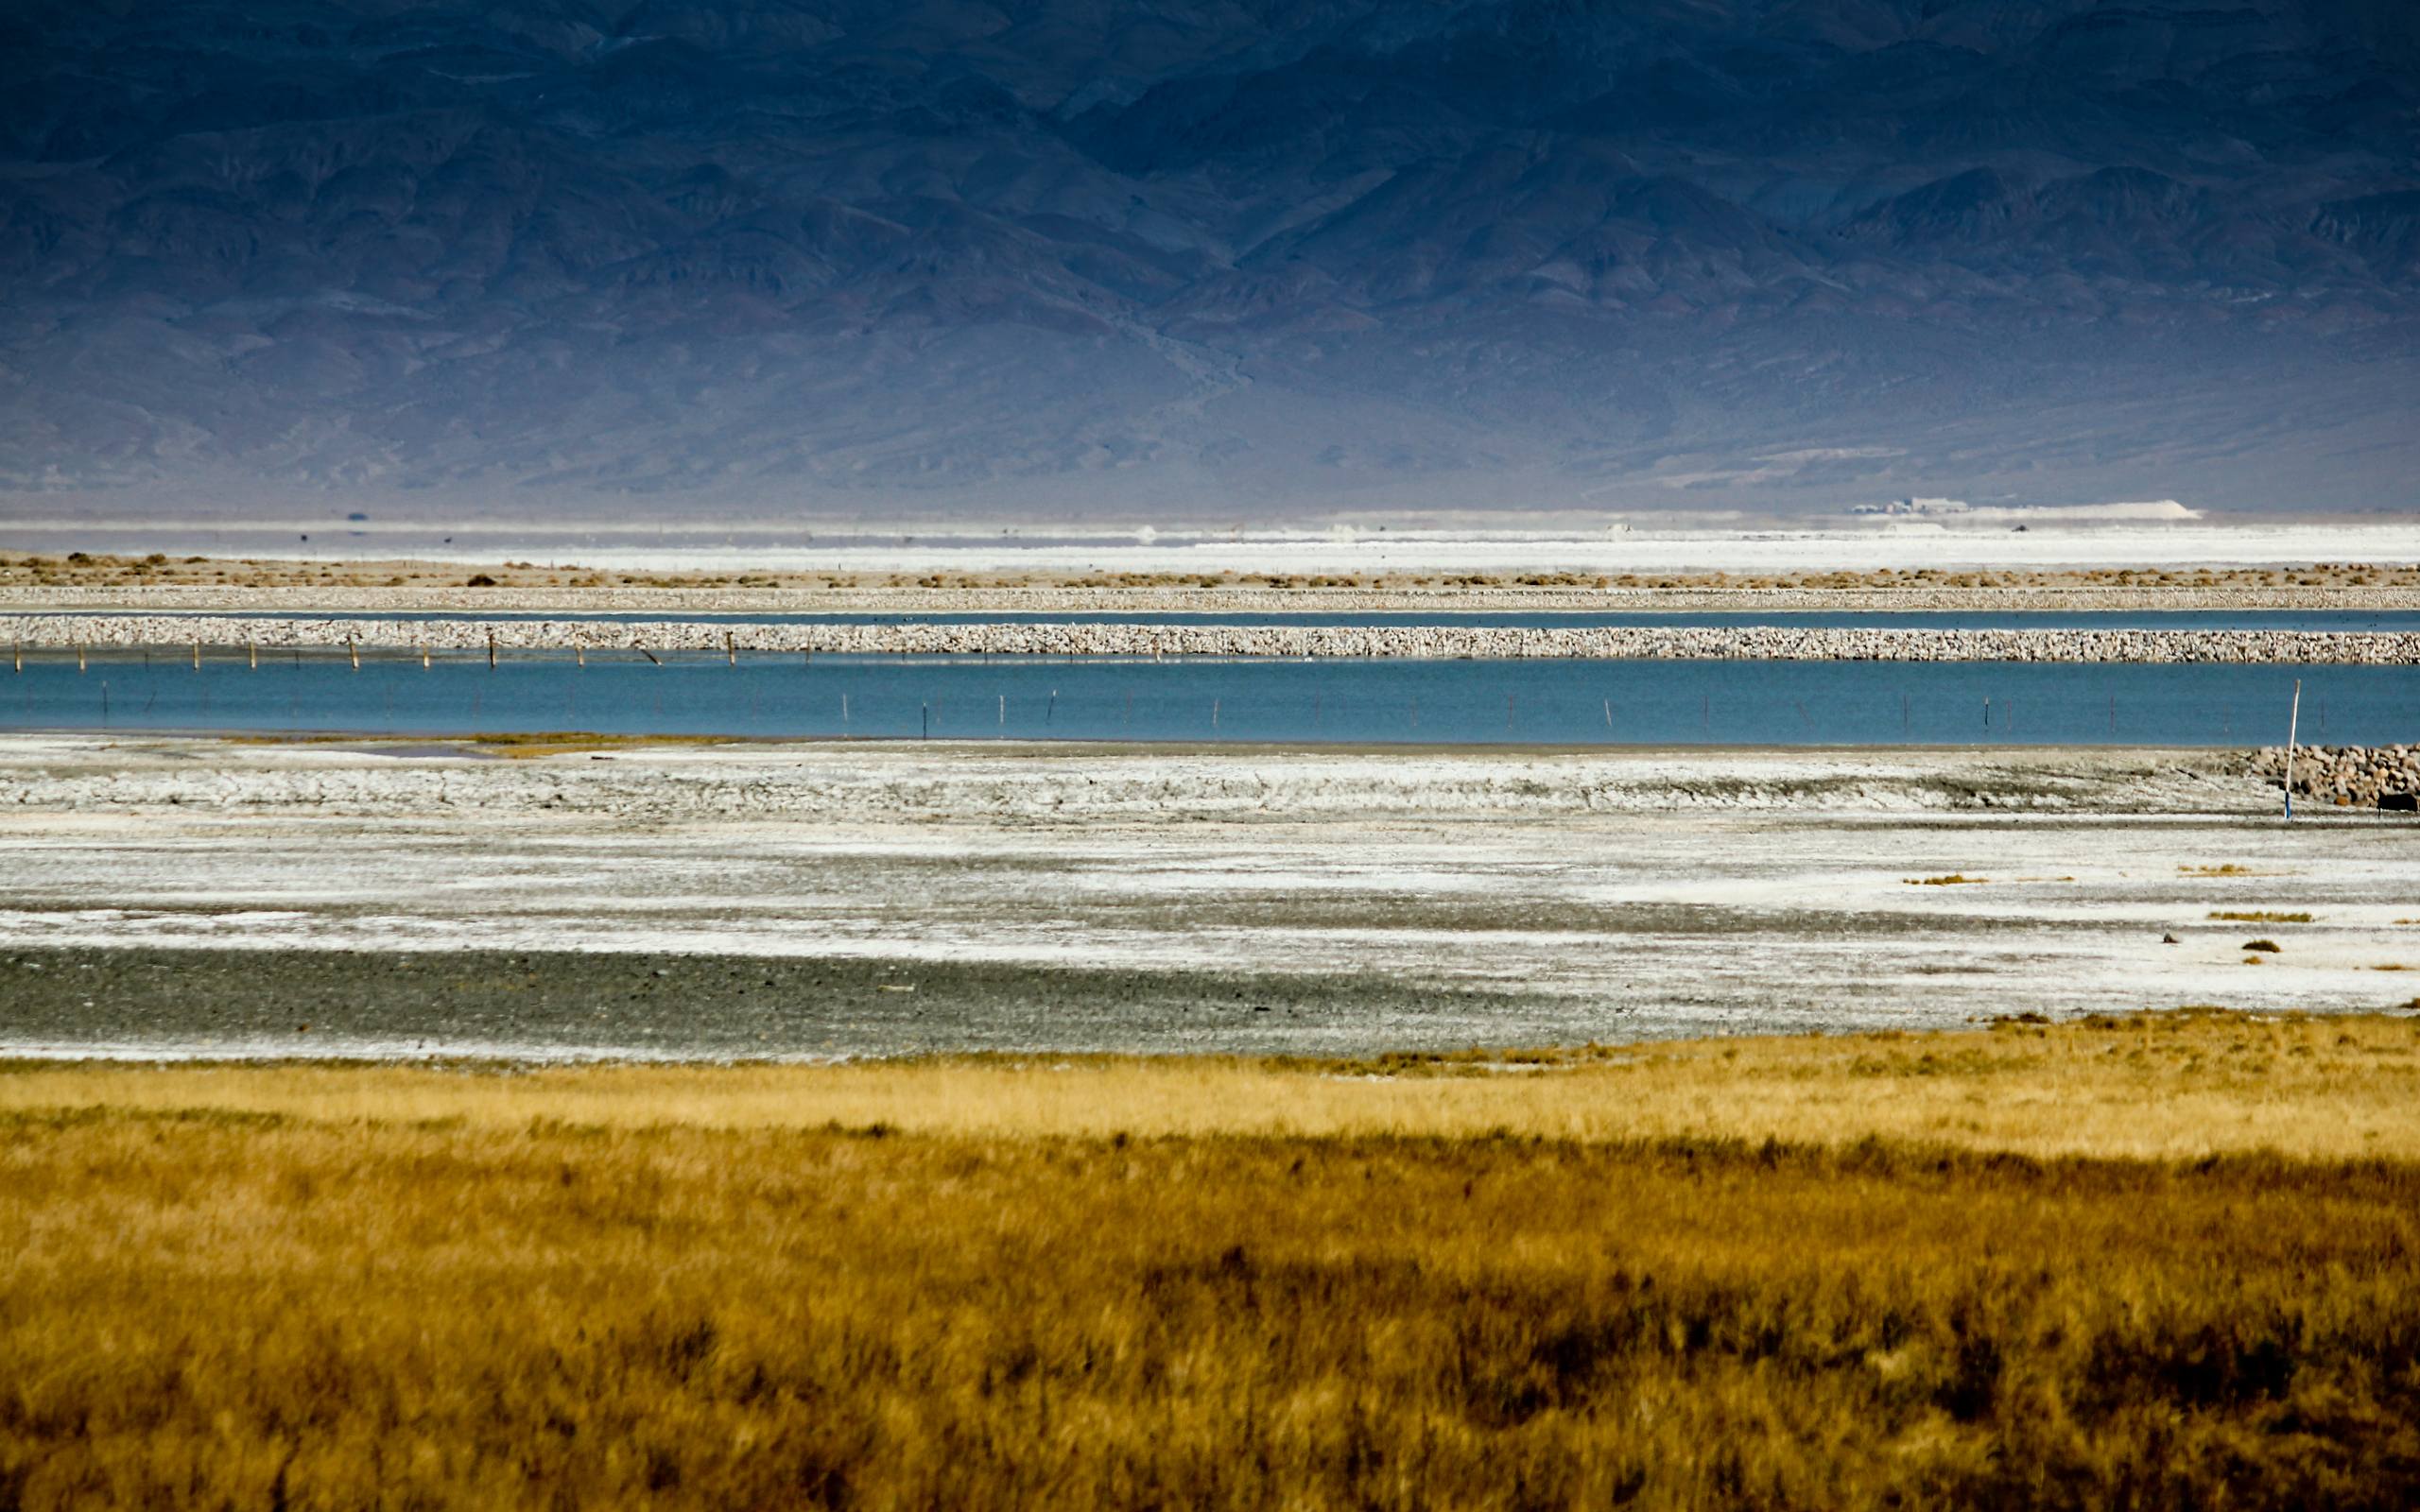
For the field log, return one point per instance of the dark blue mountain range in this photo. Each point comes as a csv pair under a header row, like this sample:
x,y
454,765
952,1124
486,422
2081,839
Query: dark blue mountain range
x,y
1207,258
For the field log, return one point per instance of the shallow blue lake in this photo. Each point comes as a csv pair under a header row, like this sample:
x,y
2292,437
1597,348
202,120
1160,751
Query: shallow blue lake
x,y
1542,702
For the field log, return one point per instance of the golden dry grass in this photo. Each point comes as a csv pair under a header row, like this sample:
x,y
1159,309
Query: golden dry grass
x,y
2172,1086
1945,1271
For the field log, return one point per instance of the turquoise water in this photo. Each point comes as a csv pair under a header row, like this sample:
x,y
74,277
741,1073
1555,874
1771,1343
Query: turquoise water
x,y
1341,701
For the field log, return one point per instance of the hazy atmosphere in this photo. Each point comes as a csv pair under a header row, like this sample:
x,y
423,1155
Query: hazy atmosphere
x,y
1186,261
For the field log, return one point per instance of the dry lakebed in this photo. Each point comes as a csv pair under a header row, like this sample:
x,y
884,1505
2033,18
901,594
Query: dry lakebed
x,y
582,899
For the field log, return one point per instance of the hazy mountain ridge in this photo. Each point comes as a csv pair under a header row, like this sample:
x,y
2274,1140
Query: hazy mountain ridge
x,y
1227,258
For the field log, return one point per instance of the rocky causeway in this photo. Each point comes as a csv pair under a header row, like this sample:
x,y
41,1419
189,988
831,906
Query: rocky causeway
x,y
1703,643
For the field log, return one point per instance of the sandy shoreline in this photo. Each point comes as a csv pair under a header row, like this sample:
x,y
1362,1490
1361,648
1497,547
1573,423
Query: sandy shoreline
x,y
1752,572
662,781
2052,595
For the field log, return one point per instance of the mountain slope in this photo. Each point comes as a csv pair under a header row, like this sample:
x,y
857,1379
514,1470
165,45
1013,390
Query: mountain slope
x,y
1252,258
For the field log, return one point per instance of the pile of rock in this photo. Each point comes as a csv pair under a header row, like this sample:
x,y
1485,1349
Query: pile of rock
x,y
2383,777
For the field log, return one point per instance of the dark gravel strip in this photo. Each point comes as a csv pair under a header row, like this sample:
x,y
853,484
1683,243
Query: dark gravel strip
x,y
539,1005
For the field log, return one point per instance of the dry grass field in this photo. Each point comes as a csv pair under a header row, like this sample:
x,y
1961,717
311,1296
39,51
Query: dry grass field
x,y
2167,1262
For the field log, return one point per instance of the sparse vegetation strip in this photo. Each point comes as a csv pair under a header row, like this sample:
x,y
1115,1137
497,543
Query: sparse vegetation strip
x,y
160,582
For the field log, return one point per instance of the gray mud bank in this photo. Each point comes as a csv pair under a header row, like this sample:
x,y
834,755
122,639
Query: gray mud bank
x,y
539,1006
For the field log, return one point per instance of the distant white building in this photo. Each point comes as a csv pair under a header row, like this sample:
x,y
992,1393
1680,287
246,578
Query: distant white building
x,y
1913,505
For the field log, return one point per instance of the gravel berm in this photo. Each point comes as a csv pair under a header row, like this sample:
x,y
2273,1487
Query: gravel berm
x,y
1700,643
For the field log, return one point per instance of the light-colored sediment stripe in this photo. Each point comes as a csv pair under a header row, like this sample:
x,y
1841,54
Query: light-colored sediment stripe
x,y
1438,642
1227,597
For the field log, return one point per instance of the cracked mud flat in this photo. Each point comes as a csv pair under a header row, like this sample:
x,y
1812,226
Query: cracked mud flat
x,y
192,897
